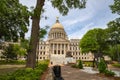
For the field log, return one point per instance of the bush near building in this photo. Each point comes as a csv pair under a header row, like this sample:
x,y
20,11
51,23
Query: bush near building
x,y
102,67
88,63
80,64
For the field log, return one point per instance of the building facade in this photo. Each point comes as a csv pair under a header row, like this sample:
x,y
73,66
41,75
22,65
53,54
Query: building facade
x,y
58,46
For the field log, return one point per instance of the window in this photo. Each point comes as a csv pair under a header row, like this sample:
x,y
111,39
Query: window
x,y
76,57
44,53
62,52
82,57
43,57
58,51
40,47
40,57
54,51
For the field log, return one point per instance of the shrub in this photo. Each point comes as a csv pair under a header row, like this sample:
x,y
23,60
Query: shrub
x,y
74,66
109,73
80,65
26,74
88,63
102,66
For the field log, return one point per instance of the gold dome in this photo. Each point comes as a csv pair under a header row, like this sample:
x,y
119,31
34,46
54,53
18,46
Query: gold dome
x,y
57,24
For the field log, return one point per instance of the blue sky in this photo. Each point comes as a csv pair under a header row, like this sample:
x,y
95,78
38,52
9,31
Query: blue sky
x,y
96,15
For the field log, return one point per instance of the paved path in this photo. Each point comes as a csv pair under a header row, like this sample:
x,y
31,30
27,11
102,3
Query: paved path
x,y
69,73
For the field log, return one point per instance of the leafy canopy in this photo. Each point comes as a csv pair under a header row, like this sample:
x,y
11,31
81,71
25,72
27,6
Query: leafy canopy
x,y
93,40
65,5
116,7
14,19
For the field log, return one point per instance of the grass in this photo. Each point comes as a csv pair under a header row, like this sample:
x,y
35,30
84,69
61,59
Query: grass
x,y
10,66
116,65
21,73
4,62
5,69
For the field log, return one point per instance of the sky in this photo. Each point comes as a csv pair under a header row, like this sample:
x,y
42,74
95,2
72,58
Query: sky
x,y
78,21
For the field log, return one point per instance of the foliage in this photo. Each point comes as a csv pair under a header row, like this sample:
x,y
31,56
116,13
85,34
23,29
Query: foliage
x,y
102,66
116,65
14,19
74,66
112,52
88,63
94,41
116,7
9,53
26,74
24,43
114,31
12,51
43,32
13,62
65,5
80,65
109,73
113,39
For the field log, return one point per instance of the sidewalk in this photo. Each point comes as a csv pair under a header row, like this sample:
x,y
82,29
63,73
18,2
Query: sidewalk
x,y
69,73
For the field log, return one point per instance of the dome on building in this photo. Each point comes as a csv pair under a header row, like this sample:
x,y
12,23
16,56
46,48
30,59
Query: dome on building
x,y
57,25
57,31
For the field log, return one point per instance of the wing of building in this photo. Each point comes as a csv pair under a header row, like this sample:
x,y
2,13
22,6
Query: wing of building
x,y
59,49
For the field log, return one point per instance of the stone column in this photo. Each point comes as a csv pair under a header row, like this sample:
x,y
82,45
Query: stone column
x,y
60,48
68,47
56,48
53,48
64,48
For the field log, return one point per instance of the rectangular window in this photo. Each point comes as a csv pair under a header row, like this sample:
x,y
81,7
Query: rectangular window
x,y
54,51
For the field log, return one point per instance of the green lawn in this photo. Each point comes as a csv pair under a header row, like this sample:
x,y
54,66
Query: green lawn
x,y
4,69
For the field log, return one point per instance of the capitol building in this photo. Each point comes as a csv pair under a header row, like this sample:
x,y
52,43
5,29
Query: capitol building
x,y
59,49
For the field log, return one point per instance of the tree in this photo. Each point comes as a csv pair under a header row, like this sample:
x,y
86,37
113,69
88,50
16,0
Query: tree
x,y
94,41
13,51
63,6
14,19
112,52
114,31
116,7
114,36
9,53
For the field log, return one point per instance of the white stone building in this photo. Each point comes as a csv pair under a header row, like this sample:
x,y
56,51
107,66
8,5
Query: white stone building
x,y
58,45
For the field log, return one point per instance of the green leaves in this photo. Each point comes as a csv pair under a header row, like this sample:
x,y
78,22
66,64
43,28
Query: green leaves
x,y
116,7
14,19
93,40
65,5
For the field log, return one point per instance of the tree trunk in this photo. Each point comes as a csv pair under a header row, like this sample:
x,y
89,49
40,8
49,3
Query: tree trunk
x,y
31,57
